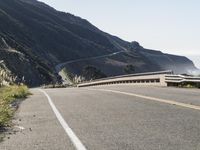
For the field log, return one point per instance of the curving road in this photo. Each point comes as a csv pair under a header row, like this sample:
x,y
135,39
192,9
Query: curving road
x,y
60,66
123,117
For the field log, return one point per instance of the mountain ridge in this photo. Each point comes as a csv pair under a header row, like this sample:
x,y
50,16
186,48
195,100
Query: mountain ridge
x,y
47,37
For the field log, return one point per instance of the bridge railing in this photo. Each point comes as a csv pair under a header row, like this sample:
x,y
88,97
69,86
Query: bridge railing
x,y
181,79
149,78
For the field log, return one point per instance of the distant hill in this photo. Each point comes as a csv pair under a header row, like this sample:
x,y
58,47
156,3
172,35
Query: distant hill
x,y
195,59
35,38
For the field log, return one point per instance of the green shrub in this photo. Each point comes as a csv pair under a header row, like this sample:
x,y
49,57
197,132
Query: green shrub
x,y
129,69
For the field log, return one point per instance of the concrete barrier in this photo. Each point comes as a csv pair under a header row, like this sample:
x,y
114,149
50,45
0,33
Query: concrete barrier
x,y
149,78
181,79
162,78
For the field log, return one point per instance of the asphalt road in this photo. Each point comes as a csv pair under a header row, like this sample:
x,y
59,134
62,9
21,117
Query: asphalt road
x,y
108,118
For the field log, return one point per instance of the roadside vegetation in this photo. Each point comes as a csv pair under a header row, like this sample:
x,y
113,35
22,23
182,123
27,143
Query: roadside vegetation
x,y
190,85
68,75
92,73
129,69
88,73
10,96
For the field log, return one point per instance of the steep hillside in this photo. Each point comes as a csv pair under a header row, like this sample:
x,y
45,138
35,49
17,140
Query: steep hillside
x,y
24,66
35,38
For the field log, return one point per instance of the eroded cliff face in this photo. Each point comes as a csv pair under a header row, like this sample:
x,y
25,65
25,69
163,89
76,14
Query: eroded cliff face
x,y
35,38
6,76
23,68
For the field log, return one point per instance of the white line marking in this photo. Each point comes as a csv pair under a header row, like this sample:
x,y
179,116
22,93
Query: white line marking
x,y
153,99
77,143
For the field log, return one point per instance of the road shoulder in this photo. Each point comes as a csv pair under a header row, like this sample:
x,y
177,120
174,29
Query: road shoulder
x,y
36,127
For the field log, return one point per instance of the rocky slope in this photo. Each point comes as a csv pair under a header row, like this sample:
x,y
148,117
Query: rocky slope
x,y
34,38
23,66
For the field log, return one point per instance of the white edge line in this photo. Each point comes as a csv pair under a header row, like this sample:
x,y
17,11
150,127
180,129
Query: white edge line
x,y
154,99
75,140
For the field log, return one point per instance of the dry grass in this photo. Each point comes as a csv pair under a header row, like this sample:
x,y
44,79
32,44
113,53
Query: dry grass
x,y
8,96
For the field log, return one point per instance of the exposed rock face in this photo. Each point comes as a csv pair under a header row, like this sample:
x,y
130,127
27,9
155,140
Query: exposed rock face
x,y
34,38
25,68
3,44
135,45
5,75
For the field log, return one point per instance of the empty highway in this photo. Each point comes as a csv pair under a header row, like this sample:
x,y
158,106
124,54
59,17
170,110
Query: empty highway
x,y
115,117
